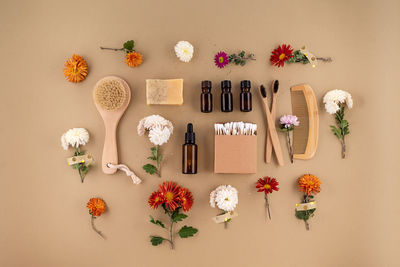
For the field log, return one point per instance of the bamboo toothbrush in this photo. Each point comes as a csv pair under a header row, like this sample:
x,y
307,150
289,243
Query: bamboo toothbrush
x,y
271,127
268,143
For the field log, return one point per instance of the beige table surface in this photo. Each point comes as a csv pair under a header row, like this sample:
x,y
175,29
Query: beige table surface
x,y
43,218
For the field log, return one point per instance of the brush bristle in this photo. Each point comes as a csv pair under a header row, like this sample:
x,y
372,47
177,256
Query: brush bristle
x,y
276,86
263,91
109,94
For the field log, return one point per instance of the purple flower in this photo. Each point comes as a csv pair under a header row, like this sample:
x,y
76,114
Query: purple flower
x,y
288,121
221,59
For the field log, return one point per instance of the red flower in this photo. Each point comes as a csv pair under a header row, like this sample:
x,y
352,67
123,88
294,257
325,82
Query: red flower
x,y
186,199
155,200
169,191
280,55
267,185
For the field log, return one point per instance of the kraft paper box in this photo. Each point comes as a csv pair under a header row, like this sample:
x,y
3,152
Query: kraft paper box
x,y
235,154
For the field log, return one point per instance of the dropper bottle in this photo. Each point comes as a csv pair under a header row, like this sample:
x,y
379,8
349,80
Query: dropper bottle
x,y
189,152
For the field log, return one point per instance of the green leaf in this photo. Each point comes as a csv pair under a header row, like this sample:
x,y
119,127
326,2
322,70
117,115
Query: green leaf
x,y
178,217
336,132
242,63
304,214
156,240
156,222
149,168
152,158
128,45
187,231
241,54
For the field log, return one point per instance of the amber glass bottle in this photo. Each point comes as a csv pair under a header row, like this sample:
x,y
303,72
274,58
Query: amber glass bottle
x,y
206,97
245,96
189,152
226,97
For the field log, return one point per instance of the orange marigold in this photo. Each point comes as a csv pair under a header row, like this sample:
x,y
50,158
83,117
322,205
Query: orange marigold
x,y
75,69
133,59
96,206
309,184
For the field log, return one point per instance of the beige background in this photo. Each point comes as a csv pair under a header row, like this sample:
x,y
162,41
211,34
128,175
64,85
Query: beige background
x,y
43,218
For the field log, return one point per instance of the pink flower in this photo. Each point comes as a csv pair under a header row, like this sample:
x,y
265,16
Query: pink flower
x,y
221,59
288,121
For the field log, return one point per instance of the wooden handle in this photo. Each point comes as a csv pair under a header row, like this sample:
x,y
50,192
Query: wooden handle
x,y
274,134
268,144
110,152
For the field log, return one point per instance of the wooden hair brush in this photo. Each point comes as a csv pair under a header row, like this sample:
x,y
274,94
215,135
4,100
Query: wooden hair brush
x,y
111,96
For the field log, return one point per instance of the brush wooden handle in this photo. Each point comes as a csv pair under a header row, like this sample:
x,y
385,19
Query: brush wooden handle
x,y
110,151
268,143
273,133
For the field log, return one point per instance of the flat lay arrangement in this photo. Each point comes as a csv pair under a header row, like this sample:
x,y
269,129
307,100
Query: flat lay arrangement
x,y
235,142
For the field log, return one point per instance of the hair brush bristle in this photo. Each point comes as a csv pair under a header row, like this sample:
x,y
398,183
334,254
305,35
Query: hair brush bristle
x,y
109,94
263,91
275,86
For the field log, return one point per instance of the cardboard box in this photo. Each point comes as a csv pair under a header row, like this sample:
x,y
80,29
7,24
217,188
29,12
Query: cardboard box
x,y
235,154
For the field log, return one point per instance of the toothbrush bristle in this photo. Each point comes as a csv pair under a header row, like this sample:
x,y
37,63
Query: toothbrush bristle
x,y
276,86
263,91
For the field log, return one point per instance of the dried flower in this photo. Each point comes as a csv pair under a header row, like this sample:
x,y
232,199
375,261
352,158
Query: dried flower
x,y
309,184
172,198
160,131
184,51
221,59
335,101
133,59
75,69
267,185
280,55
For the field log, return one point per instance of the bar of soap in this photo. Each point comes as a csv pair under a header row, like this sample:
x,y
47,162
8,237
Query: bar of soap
x,y
164,92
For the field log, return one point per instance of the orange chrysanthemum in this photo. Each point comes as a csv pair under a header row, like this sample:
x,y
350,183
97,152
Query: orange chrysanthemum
x,y
309,184
75,69
169,191
155,199
133,59
96,206
186,199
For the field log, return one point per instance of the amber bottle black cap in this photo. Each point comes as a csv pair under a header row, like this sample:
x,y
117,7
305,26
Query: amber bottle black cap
x,y
245,84
205,84
190,137
226,84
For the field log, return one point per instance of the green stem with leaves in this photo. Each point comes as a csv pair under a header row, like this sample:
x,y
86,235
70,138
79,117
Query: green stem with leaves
x,y
82,168
342,129
157,157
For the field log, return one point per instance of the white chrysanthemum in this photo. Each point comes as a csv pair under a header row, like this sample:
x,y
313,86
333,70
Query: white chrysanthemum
x,y
74,137
140,128
334,98
159,136
224,197
184,51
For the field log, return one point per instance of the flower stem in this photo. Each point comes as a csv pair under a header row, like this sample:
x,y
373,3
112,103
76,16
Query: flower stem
x,y
343,148
306,200
94,227
114,49
267,206
158,159
290,146
325,59
170,233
